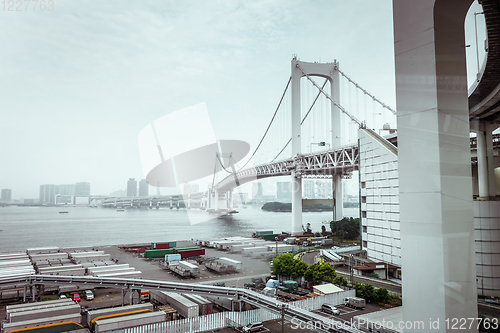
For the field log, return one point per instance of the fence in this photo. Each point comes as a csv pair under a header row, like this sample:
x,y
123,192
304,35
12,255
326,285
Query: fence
x,y
236,319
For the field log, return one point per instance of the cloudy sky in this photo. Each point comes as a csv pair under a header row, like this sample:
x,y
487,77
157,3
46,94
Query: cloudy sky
x,y
81,81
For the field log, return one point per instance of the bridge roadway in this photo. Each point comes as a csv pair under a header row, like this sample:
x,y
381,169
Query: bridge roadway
x,y
289,311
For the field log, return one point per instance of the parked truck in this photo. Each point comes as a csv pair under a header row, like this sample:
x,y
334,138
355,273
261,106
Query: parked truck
x,y
184,306
224,265
355,302
184,268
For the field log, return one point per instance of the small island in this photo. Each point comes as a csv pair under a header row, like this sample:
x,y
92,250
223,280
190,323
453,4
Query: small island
x,y
287,207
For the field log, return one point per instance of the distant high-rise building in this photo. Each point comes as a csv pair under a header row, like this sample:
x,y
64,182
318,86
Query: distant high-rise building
x,y
257,191
67,189
143,188
284,191
308,189
119,193
131,187
82,189
6,195
48,193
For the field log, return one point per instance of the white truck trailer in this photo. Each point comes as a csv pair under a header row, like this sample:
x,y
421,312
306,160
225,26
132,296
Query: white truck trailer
x,y
184,306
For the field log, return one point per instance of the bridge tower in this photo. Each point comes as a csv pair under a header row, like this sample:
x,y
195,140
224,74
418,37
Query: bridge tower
x,y
330,72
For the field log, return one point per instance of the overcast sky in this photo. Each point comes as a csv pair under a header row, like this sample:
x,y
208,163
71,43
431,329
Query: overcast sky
x,y
80,82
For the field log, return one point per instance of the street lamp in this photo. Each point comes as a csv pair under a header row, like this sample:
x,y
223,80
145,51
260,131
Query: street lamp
x,y
276,239
237,294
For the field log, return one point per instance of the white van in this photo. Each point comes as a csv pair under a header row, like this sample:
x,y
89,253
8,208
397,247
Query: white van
x,y
89,295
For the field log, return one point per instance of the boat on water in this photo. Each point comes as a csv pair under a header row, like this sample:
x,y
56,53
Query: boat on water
x,y
120,210
63,212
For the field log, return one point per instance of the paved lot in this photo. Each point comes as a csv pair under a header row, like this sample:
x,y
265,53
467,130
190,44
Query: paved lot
x,y
154,270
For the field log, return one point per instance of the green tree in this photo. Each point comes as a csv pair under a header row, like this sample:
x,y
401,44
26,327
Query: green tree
x,y
299,268
283,265
365,291
347,228
381,295
340,281
317,273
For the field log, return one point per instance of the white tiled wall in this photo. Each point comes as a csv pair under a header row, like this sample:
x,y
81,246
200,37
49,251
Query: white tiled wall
x,y
379,171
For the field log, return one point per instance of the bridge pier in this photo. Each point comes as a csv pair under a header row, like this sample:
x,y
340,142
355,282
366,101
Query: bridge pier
x,y
338,197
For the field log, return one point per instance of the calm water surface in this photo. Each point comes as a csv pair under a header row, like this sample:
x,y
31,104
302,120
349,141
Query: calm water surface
x,y
26,227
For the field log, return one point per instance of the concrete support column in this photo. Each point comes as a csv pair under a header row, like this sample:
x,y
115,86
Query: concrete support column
x,y
336,113
339,197
123,297
131,296
435,185
482,165
216,203
296,205
24,294
492,192
296,149
231,200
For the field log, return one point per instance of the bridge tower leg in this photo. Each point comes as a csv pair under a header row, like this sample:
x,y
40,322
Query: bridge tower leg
x,y
231,201
296,150
435,188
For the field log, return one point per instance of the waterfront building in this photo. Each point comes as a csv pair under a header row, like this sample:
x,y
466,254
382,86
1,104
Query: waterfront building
x,y
132,187
82,189
67,189
119,193
6,195
257,192
48,193
284,191
143,188
308,189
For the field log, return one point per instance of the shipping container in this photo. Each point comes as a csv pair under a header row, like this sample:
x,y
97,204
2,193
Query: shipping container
x,y
106,268
20,316
129,321
184,306
158,253
172,257
231,262
38,250
129,275
73,318
205,306
163,245
94,315
270,237
39,305
266,232
64,270
113,271
191,253
253,250
186,248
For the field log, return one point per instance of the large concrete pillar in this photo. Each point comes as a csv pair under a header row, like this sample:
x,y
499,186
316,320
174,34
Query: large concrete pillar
x,y
492,192
339,197
296,149
437,234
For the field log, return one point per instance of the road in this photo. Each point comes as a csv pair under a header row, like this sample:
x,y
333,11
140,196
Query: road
x,y
308,258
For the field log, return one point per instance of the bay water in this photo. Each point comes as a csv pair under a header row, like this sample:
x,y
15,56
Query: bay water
x,y
29,227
